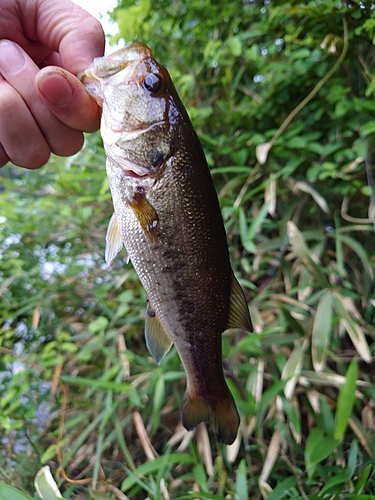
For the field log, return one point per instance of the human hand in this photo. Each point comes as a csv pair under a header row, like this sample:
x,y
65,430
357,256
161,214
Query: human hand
x,y
45,110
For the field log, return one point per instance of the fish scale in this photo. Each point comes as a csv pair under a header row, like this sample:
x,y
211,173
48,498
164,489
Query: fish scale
x,y
167,215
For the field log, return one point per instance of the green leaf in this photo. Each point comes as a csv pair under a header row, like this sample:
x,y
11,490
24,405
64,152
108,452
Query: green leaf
x,y
283,489
99,324
362,480
368,128
49,453
96,495
318,447
333,481
10,493
235,45
361,252
241,482
352,458
248,233
158,401
151,467
345,400
99,384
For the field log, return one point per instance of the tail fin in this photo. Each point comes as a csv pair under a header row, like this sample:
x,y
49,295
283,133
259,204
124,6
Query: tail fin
x,y
220,413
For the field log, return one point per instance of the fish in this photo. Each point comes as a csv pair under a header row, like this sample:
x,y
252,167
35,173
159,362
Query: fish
x,y
168,218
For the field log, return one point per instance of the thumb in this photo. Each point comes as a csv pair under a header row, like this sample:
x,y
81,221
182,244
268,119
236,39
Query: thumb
x,y
67,98
65,28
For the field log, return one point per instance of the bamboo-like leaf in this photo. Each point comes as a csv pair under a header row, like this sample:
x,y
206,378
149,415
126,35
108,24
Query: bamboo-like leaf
x,y
339,247
301,250
45,485
321,331
324,378
362,480
361,252
345,400
353,328
204,448
10,493
248,233
292,369
270,195
153,466
318,447
257,222
243,225
304,284
306,188
352,458
158,401
241,482
272,454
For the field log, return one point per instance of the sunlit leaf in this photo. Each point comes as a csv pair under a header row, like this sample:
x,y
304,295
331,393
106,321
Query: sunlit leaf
x,y
321,331
261,152
353,328
46,486
306,188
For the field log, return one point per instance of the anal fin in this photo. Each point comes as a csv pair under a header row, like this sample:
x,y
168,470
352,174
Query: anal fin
x,y
157,339
239,316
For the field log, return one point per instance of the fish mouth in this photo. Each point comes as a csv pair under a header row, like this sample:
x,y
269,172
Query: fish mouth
x,y
103,68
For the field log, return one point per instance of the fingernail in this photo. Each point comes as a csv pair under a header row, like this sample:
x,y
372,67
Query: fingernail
x,y
12,59
56,89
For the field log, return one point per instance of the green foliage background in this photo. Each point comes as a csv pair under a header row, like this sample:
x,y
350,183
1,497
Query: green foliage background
x,y
299,225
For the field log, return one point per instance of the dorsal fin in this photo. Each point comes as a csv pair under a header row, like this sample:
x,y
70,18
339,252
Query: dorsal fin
x,y
239,316
157,339
113,240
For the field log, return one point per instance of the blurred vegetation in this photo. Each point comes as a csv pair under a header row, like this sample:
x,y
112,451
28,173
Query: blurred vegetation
x,y
282,96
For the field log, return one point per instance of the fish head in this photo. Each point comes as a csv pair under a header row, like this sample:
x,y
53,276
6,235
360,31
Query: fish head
x,y
141,109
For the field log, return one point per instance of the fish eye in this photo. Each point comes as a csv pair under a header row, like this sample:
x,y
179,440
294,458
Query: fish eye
x,y
152,82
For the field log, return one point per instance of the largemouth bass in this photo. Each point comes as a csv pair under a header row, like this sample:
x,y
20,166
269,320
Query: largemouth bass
x,y
167,215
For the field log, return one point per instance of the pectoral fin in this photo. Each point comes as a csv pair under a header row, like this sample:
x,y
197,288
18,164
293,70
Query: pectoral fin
x,y
157,339
113,240
146,215
239,316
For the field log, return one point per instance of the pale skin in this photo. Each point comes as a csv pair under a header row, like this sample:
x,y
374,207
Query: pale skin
x,y
44,108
